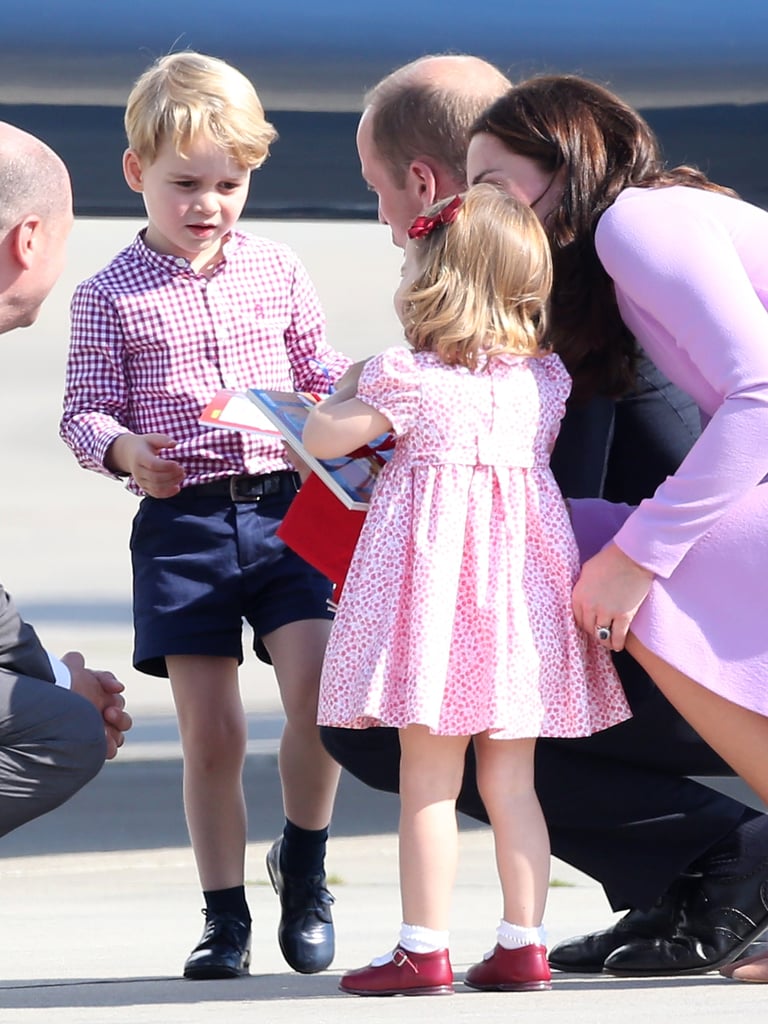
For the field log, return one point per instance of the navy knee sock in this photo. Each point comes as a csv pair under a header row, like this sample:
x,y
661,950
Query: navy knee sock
x,y
228,901
302,852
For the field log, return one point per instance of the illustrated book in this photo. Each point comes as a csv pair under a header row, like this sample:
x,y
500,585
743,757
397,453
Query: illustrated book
x,y
350,477
283,413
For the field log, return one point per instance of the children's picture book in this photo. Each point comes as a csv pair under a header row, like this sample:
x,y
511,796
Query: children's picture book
x,y
351,477
283,414
233,410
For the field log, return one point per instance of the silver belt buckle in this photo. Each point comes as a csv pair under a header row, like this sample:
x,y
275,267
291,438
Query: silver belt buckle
x,y
236,495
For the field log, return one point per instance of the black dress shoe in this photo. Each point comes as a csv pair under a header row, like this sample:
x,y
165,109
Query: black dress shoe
x,y
305,932
717,921
586,954
224,951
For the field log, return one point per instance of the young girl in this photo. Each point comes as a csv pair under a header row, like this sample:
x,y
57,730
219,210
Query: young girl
x,y
455,622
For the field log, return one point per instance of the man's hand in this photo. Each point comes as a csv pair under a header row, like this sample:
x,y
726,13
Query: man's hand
x,y
105,691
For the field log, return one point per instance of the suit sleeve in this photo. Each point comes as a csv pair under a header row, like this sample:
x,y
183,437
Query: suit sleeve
x,y
21,653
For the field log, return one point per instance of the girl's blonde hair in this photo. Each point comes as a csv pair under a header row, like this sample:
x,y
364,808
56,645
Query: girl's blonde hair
x,y
484,283
187,95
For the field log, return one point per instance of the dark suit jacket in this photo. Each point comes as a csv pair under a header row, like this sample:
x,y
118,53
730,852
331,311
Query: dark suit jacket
x,y
21,653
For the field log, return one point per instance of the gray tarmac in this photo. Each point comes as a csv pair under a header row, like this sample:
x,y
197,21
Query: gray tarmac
x,y
99,902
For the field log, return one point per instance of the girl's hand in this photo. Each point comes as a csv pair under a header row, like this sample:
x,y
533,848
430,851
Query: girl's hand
x,y
608,593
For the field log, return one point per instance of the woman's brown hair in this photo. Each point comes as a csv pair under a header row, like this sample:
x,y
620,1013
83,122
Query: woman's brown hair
x,y
604,146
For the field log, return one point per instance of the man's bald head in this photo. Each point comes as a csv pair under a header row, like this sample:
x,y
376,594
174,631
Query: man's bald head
x,y
425,109
33,179
35,220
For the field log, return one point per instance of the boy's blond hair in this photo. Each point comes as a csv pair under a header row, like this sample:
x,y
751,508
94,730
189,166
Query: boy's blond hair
x,y
484,283
187,95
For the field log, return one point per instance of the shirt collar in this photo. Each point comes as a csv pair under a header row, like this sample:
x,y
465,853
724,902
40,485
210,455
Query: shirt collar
x,y
176,265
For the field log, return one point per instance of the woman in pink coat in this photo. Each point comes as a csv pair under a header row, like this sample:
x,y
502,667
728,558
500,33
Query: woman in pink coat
x,y
668,261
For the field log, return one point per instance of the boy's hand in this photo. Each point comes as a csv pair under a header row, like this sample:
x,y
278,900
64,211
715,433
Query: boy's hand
x,y
137,454
296,461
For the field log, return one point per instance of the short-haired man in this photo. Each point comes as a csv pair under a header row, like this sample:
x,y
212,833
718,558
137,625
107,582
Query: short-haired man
x,y
58,719
689,864
413,135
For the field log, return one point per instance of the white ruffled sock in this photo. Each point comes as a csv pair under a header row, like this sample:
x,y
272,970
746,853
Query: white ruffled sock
x,y
415,939
512,936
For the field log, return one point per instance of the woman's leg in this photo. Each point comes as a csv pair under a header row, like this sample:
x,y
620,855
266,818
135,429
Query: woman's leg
x,y
749,968
431,770
505,782
213,737
738,735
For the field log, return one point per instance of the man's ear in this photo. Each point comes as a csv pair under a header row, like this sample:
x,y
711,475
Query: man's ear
x,y
422,183
25,239
132,170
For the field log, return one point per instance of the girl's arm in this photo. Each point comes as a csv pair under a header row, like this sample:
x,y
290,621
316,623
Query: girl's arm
x,y
342,423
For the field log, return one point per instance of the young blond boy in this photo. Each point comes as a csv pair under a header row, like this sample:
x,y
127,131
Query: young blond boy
x,y
194,304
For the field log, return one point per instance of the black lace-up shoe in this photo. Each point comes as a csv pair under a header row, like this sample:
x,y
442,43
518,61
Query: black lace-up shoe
x,y
716,922
305,932
224,951
586,954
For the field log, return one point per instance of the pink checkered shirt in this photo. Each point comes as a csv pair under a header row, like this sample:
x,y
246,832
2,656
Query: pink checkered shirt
x,y
152,342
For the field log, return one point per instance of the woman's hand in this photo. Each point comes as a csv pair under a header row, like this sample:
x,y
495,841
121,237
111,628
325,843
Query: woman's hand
x,y
608,593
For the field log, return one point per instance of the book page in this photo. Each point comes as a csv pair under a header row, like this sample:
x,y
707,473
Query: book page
x,y
351,478
233,410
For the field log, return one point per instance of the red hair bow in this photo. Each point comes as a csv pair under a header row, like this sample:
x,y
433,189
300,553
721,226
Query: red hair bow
x,y
425,225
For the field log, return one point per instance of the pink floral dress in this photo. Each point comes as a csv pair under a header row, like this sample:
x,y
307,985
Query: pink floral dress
x,y
456,612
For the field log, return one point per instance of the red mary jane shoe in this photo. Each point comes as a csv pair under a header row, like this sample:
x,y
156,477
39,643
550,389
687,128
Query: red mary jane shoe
x,y
406,974
524,969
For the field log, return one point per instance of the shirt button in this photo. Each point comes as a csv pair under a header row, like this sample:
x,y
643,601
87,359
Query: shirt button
x,y
180,261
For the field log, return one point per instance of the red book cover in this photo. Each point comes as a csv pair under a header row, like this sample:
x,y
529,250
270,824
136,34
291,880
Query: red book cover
x,y
322,530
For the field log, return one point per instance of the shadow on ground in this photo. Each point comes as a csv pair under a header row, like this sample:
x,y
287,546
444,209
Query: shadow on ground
x,y
137,805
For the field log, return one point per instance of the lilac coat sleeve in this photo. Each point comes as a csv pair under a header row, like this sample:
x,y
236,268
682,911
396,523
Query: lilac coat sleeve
x,y
691,281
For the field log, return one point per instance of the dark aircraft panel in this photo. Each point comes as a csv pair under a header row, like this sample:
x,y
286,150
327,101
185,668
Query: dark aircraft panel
x,y
697,70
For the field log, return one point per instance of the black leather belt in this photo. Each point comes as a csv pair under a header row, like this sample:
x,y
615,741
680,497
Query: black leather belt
x,y
246,488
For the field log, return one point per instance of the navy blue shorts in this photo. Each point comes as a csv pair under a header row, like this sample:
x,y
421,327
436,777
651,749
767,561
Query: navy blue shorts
x,y
203,563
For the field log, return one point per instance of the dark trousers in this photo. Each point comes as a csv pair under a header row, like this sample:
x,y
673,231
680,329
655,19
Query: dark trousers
x,y
618,805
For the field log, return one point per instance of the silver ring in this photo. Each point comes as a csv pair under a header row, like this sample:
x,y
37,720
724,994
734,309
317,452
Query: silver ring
x,y
603,632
